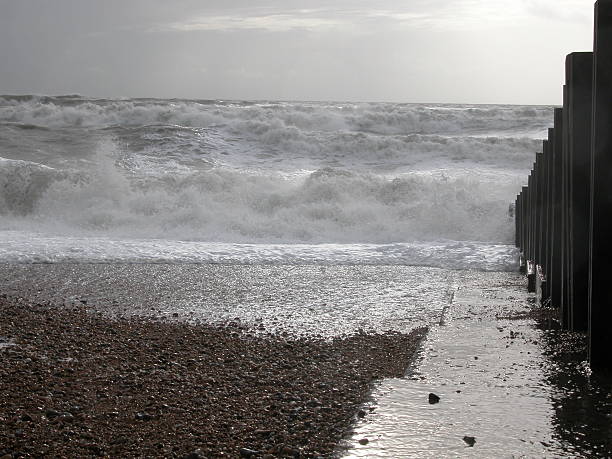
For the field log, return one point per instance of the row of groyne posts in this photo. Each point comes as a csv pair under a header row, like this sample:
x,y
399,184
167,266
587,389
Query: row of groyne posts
x,y
564,214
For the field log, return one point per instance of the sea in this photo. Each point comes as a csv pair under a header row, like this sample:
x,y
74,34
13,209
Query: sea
x,y
85,180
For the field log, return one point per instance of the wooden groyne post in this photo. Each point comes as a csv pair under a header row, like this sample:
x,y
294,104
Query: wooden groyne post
x,y
564,214
579,76
600,287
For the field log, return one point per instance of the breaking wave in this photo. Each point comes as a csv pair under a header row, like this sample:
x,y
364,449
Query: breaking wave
x,y
223,205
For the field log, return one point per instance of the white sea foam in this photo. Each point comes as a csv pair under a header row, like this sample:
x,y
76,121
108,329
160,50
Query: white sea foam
x,y
223,205
275,182
36,248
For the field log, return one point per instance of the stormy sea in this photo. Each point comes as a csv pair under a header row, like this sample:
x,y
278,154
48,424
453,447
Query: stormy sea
x,y
199,181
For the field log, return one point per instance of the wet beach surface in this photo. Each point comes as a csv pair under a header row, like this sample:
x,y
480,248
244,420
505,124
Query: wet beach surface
x,y
502,374
504,377
309,300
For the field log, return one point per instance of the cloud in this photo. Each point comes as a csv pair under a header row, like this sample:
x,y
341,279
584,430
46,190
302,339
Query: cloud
x,y
361,17
269,22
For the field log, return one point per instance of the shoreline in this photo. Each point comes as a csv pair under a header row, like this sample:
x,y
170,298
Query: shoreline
x,y
77,383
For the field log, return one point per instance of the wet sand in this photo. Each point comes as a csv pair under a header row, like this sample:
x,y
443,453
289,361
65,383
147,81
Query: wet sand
x,y
302,300
75,383
506,378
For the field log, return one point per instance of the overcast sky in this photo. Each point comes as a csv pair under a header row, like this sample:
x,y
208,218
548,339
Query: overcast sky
x,y
463,51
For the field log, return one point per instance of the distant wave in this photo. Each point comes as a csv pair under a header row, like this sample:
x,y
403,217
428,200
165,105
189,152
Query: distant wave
x,y
378,118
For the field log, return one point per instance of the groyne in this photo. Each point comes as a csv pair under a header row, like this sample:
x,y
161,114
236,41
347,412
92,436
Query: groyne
x,y
564,214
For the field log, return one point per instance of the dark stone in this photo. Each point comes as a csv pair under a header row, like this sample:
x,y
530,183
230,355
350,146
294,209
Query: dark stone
x,y
361,413
26,417
433,399
65,417
51,414
141,416
469,440
288,451
364,441
96,449
197,454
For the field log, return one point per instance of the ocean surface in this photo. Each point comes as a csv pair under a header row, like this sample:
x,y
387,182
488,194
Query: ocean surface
x,y
208,181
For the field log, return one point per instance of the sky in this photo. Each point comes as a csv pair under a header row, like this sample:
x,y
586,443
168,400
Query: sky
x,y
446,51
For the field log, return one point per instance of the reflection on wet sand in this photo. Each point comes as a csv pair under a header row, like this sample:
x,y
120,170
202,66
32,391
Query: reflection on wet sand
x,y
582,400
519,390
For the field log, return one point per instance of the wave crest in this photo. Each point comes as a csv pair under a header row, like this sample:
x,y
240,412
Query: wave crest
x,y
243,117
223,205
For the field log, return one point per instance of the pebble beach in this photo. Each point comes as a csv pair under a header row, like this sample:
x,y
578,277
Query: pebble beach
x,y
76,383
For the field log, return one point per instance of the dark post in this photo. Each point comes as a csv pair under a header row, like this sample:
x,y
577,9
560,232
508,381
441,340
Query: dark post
x,y
565,228
579,79
539,207
600,291
517,221
523,266
536,227
540,222
533,214
547,146
546,212
556,260
531,273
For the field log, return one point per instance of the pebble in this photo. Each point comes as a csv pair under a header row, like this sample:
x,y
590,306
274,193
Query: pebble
x,y
52,414
141,416
197,454
433,398
469,440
